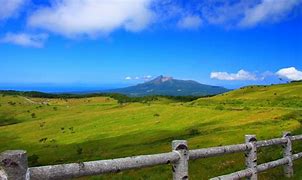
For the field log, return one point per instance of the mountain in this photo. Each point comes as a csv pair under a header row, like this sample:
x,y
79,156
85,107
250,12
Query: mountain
x,y
168,86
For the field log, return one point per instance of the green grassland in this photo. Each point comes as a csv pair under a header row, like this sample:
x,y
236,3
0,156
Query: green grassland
x,y
55,130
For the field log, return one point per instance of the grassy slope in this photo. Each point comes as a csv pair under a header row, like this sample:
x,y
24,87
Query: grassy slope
x,y
100,128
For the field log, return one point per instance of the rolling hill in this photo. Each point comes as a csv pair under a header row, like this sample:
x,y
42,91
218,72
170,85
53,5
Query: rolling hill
x,y
60,130
168,86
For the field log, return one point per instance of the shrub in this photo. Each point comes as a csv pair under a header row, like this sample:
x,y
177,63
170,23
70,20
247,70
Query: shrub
x,y
33,160
11,103
193,132
71,130
43,140
42,124
246,108
219,107
156,115
4,120
33,115
79,150
296,115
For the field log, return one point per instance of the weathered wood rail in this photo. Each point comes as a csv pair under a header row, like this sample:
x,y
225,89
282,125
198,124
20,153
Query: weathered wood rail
x,y
14,163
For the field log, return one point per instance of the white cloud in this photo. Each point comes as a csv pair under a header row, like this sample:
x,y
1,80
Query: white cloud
x,y
23,39
268,10
290,73
190,22
226,14
145,78
92,17
9,8
246,13
240,75
266,74
148,77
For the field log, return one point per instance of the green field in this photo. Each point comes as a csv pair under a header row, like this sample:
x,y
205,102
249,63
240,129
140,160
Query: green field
x,y
57,131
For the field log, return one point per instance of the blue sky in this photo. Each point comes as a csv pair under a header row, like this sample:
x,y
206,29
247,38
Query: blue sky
x,y
63,45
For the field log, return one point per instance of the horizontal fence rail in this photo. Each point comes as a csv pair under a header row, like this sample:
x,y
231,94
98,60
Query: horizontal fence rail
x,y
217,151
101,167
13,164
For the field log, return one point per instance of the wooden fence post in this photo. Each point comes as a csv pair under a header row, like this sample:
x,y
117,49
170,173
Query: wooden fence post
x,y
180,168
287,153
251,155
14,164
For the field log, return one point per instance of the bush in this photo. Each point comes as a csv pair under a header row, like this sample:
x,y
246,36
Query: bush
x,y
246,108
42,124
11,103
219,107
79,150
33,115
156,115
193,132
43,140
4,120
296,115
33,160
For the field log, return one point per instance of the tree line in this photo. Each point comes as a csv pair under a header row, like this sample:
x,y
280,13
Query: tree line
x,y
121,98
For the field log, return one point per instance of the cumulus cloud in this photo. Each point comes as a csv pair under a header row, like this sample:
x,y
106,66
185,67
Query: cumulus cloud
x,y
241,75
26,40
9,8
92,17
268,10
190,22
128,78
290,73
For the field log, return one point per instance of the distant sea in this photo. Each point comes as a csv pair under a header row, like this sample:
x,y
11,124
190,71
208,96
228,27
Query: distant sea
x,y
59,88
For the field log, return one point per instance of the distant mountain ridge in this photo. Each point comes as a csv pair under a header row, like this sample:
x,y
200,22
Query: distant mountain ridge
x,y
163,85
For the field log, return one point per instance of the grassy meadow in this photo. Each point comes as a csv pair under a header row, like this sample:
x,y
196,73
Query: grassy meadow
x,y
55,130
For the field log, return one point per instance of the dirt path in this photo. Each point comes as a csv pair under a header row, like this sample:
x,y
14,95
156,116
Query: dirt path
x,y
29,100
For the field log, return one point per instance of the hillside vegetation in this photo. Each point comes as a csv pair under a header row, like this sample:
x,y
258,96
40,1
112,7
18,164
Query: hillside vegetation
x,y
60,130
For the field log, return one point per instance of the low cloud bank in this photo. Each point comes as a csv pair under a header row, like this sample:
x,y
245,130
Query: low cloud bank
x,y
145,78
290,73
241,75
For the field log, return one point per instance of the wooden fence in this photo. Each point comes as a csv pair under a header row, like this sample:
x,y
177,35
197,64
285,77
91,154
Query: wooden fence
x,y
14,163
